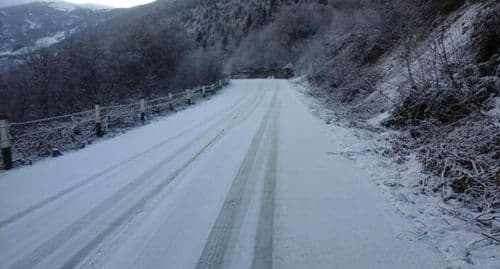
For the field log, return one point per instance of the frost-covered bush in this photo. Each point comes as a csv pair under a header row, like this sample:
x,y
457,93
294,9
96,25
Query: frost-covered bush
x,y
463,156
440,96
444,119
446,105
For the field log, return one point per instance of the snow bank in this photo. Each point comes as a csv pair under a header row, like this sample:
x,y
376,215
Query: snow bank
x,y
459,240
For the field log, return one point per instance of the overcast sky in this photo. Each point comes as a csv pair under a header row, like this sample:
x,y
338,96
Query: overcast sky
x,y
113,3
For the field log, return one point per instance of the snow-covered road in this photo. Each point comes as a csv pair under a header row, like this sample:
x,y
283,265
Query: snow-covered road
x,y
243,180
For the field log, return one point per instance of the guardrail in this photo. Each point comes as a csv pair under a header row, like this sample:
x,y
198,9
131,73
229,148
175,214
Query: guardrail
x,y
24,142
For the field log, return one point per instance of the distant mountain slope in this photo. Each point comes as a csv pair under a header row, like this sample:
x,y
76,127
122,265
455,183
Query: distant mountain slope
x,y
211,23
10,3
42,24
25,28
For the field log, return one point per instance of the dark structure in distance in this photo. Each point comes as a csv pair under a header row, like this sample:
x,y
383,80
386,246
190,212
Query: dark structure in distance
x,y
282,73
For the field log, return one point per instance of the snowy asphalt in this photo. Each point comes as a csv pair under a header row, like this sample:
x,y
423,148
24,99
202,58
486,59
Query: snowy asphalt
x,y
243,180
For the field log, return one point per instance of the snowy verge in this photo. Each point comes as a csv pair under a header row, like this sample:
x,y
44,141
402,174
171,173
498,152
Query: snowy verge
x,y
462,242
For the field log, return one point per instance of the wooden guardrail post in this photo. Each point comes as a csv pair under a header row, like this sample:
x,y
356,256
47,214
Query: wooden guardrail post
x,y
143,110
203,92
188,96
98,124
5,142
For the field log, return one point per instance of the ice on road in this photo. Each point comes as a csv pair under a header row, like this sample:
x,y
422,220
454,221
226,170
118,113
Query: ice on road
x,y
243,180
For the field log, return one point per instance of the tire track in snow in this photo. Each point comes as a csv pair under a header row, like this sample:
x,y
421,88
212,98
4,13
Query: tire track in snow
x,y
217,250
263,251
134,210
94,177
83,253
84,182
57,241
60,238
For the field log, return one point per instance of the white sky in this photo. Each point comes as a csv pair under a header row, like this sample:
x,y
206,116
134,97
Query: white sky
x,y
114,3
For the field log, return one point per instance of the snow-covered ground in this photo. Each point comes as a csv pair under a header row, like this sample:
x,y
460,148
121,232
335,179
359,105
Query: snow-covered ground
x,y
461,242
248,179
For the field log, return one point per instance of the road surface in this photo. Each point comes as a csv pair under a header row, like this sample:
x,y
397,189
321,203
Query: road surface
x,y
243,180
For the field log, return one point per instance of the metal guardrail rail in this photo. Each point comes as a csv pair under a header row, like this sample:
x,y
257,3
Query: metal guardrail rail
x,y
25,142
